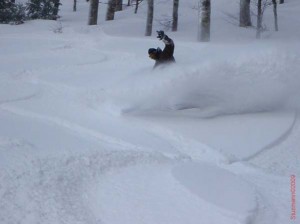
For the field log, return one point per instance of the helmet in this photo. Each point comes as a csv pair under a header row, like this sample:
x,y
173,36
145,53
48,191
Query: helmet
x,y
154,53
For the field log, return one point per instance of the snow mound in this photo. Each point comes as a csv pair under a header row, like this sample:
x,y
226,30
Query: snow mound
x,y
217,186
148,194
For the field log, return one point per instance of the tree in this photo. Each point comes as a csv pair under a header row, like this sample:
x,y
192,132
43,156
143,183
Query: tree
x,y
136,6
149,18
75,6
245,17
261,7
119,4
275,14
259,19
281,1
56,7
43,9
111,8
175,15
93,15
11,12
5,11
204,21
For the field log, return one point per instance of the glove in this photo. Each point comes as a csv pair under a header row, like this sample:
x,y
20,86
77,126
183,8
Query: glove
x,y
160,34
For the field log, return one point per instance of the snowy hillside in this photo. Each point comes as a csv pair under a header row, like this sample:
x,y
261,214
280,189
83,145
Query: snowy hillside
x,y
90,134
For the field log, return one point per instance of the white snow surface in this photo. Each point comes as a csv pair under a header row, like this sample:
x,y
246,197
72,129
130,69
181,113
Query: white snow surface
x,y
91,134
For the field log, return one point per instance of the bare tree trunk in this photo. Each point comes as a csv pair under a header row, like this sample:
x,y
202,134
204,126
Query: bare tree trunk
x,y
93,16
281,1
149,18
56,8
75,6
175,15
110,14
136,6
119,4
275,14
204,35
245,17
259,19
128,3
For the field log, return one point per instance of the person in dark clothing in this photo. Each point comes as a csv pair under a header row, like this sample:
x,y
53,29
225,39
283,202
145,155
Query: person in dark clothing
x,y
163,56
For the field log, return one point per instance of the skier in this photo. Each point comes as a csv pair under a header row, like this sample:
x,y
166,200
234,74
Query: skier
x,y
163,56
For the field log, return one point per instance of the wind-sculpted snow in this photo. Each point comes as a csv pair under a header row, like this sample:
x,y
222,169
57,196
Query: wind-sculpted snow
x,y
150,194
54,189
91,134
207,182
228,192
258,82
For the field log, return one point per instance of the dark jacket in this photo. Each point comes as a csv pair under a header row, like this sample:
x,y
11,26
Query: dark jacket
x,y
166,55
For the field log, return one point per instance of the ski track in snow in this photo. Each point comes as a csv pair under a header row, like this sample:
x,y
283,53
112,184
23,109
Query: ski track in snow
x,y
70,188
57,187
82,131
276,142
18,99
271,190
282,158
59,192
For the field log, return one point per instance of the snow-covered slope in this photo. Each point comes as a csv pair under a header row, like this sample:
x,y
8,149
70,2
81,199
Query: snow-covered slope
x,y
89,133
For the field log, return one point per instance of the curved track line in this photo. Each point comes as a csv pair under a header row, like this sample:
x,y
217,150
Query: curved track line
x,y
18,99
277,141
73,127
